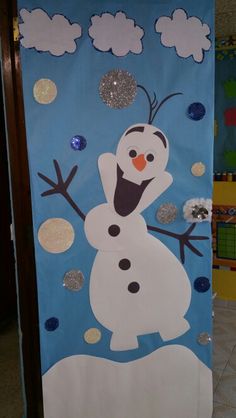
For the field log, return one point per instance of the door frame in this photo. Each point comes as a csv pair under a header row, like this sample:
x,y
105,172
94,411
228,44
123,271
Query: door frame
x,y
21,211
7,263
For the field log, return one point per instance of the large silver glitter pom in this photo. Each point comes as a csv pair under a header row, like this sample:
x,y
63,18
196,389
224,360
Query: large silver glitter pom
x,y
167,213
118,89
73,280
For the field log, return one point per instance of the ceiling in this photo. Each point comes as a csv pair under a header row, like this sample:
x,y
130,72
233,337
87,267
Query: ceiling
x,y
225,17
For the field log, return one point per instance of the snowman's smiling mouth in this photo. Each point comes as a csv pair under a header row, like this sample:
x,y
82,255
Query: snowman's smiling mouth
x,y
127,194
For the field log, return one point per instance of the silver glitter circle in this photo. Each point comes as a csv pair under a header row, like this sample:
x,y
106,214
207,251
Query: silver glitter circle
x,y
167,213
118,89
73,280
204,338
199,212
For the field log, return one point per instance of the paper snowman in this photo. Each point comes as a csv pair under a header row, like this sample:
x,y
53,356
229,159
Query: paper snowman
x,y
137,285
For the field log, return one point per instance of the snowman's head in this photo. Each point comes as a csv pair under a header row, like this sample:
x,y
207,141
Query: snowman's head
x,y
142,152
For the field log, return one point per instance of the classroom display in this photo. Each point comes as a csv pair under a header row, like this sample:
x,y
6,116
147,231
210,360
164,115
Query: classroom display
x,y
119,112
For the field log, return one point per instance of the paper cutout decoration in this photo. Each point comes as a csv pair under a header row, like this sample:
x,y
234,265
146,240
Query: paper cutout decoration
x,y
188,35
78,143
167,213
112,287
204,338
118,89
55,35
132,179
196,111
118,34
73,280
172,382
198,210
131,182
230,116
56,235
45,91
92,335
202,284
124,264
51,324
230,88
198,169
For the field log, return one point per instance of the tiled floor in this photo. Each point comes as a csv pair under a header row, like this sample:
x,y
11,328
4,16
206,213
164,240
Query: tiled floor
x,y
224,362
10,385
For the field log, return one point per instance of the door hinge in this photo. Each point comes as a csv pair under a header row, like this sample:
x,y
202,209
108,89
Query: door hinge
x,y
16,32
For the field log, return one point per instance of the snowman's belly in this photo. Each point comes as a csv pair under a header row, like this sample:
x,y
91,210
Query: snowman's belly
x,y
108,231
140,289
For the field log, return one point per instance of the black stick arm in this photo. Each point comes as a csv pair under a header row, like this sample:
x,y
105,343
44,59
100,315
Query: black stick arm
x,y
184,239
61,187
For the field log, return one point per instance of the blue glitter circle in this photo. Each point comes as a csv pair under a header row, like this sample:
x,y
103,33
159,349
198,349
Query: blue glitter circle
x,y
51,324
78,143
202,284
196,111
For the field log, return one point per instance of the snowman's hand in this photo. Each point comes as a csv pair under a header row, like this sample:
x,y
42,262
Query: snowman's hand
x,y
61,186
184,239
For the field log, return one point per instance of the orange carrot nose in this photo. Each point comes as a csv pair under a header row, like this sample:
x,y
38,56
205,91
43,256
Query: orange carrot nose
x,y
139,162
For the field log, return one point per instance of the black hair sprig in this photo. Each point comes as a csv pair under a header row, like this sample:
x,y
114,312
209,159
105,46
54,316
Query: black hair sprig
x,y
154,106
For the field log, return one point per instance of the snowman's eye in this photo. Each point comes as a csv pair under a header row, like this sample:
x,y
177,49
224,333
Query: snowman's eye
x,y
133,153
150,157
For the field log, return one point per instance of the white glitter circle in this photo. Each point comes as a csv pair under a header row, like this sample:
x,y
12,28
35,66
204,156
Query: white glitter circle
x,y
198,169
92,335
56,235
118,89
45,91
73,280
167,213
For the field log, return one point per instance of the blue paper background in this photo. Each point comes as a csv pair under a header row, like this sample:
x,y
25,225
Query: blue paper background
x,y
78,109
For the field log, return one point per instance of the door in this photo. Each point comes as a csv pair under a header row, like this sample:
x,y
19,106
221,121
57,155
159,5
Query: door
x,y
119,114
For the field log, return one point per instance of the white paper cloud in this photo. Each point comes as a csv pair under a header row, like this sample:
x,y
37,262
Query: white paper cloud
x,y
55,35
117,33
187,34
171,382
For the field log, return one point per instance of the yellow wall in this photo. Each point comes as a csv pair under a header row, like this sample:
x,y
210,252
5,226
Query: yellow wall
x,y
224,284
224,193
224,281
